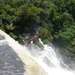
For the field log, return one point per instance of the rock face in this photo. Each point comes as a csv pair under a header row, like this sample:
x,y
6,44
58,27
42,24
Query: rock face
x,y
15,59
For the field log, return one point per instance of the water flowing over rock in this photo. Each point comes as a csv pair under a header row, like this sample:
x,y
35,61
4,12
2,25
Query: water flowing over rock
x,y
15,59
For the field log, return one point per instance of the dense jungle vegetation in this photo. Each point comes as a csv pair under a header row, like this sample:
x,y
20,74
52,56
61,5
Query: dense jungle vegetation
x,y
56,18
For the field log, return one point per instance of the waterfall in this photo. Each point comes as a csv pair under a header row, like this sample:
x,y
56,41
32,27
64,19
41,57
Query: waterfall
x,y
48,59
16,59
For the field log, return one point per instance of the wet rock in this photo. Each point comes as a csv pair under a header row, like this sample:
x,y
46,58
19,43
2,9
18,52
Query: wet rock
x,y
16,60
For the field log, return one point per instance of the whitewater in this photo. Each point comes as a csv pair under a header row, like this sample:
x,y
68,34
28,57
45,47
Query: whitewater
x,y
46,58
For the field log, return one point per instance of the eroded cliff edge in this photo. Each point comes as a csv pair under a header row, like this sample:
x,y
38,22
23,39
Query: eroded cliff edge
x,y
17,55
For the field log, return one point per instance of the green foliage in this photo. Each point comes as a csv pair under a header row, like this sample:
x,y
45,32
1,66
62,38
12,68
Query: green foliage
x,y
45,41
21,37
56,18
10,27
66,36
34,11
43,33
22,10
13,35
45,4
39,45
28,12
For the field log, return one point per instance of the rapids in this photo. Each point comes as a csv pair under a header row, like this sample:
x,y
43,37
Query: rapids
x,y
16,59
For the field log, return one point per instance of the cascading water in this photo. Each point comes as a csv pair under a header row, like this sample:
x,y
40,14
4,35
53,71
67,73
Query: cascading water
x,y
12,59
48,59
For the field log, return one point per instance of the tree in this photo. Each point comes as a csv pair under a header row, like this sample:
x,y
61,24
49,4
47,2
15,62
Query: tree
x,y
43,33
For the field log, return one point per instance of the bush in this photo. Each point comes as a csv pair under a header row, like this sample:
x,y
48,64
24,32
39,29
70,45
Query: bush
x,y
43,33
39,45
13,35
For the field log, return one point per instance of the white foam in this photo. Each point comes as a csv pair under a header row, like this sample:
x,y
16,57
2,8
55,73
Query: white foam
x,y
39,56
